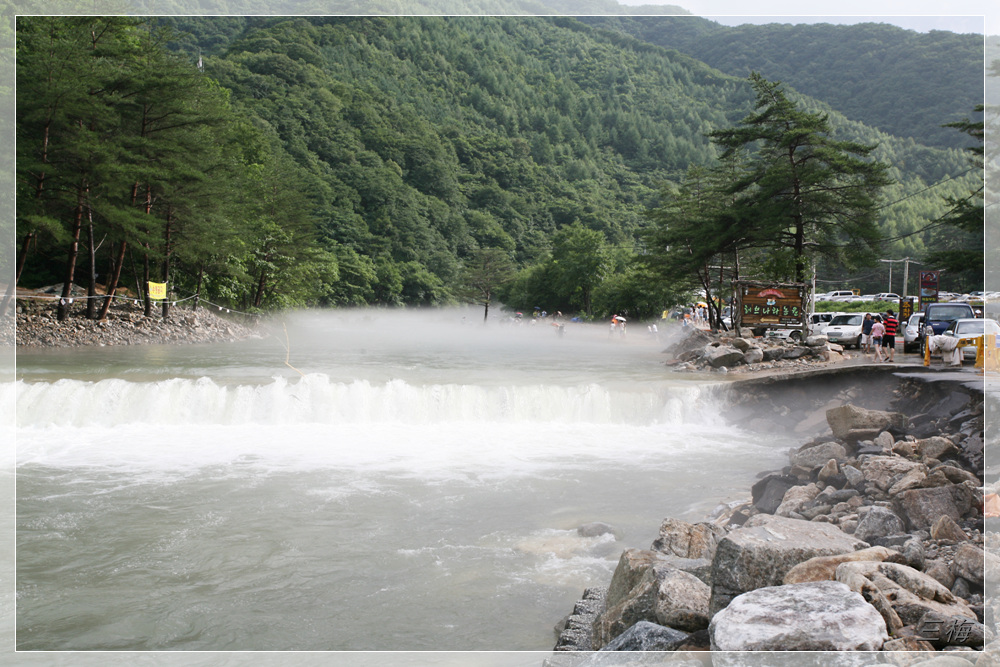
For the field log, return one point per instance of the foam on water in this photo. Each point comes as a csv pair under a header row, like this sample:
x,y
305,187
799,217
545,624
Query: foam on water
x,y
318,399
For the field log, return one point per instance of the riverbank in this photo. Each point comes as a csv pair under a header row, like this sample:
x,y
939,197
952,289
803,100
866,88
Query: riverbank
x,y
37,325
872,538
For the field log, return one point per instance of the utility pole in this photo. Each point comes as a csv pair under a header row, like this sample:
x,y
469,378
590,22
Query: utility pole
x,y
906,273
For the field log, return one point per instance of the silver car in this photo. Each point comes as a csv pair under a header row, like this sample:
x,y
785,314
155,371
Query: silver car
x,y
969,329
911,333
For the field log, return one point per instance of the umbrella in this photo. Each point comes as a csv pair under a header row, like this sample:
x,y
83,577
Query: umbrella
x,y
619,318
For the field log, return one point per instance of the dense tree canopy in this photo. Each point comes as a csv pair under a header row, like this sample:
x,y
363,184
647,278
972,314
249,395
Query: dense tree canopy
x,y
360,160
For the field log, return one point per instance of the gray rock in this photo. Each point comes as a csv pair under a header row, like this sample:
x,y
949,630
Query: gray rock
x,y
797,498
969,563
884,471
578,631
595,529
754,355
769,491
688,540
723,355
847,419
814,616
646,636
878,522
817,340
682,600
935,447
921,508
813,457
941,630
853,475
766,548
662,593
946,529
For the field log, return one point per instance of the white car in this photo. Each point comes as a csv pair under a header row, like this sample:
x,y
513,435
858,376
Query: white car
x,y
818,322
969,329
844,295
887,296
846,329
911,332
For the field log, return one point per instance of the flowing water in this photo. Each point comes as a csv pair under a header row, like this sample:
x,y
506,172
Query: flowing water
x,y
352,481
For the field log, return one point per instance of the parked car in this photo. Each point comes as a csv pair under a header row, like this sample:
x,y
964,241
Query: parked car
x,y
818,322
846,329
887,296
843,295
911,333
967,329
938,317
784,334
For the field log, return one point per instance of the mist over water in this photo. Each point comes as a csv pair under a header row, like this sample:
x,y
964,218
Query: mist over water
x,y
364,480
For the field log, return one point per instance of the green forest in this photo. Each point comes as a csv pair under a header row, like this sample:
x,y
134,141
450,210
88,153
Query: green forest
x,y
268,163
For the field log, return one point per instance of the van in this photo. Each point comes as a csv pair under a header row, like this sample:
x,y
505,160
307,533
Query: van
x,y
842,295
938,317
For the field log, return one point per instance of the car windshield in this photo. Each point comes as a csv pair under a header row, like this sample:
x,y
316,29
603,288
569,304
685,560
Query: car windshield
x,y
846,320
949,313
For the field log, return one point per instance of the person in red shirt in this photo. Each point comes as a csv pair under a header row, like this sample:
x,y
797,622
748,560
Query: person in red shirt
x,y
889,339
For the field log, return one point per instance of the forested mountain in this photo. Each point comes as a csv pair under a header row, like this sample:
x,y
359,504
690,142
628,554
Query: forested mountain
x,y
902,82
357,160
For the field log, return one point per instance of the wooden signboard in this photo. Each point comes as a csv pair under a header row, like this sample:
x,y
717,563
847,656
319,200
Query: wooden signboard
x,y
771,304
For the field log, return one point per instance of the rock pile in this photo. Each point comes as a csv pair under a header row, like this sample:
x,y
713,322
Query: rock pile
x,y
871,539
699,350
38,326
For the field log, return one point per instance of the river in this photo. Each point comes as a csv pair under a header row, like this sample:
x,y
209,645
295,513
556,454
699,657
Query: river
x,y
353,481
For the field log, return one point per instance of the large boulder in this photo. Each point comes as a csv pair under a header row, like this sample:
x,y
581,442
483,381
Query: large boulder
x,y
884,471
970,563
763,551
769,491
908,592
921,508
813,616
824,568
722,355
643,588
817,455
935,447
851,423
797,498
688,540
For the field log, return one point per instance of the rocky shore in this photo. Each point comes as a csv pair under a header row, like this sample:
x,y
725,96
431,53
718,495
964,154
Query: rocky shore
x,y
871,539
37,326
699,350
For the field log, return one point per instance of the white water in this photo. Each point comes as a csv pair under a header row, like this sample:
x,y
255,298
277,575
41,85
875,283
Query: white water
x,y
417,488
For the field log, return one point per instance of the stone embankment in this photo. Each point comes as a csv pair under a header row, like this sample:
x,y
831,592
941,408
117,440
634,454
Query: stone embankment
x,y
37,325
872,538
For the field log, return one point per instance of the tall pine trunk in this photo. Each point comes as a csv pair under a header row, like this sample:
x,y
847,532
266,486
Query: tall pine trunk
x,y
166,259
74,250
92,278
197,289
112,285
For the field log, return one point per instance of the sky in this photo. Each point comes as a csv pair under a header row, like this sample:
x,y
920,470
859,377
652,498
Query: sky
x,y
919,15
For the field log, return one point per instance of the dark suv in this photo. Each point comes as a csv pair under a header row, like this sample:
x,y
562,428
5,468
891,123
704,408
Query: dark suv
x,y
938,317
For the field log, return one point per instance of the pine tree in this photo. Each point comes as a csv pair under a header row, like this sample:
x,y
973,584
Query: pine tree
x,y
810,193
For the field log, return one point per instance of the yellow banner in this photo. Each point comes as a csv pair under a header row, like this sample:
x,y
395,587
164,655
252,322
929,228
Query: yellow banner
x,y
157,291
